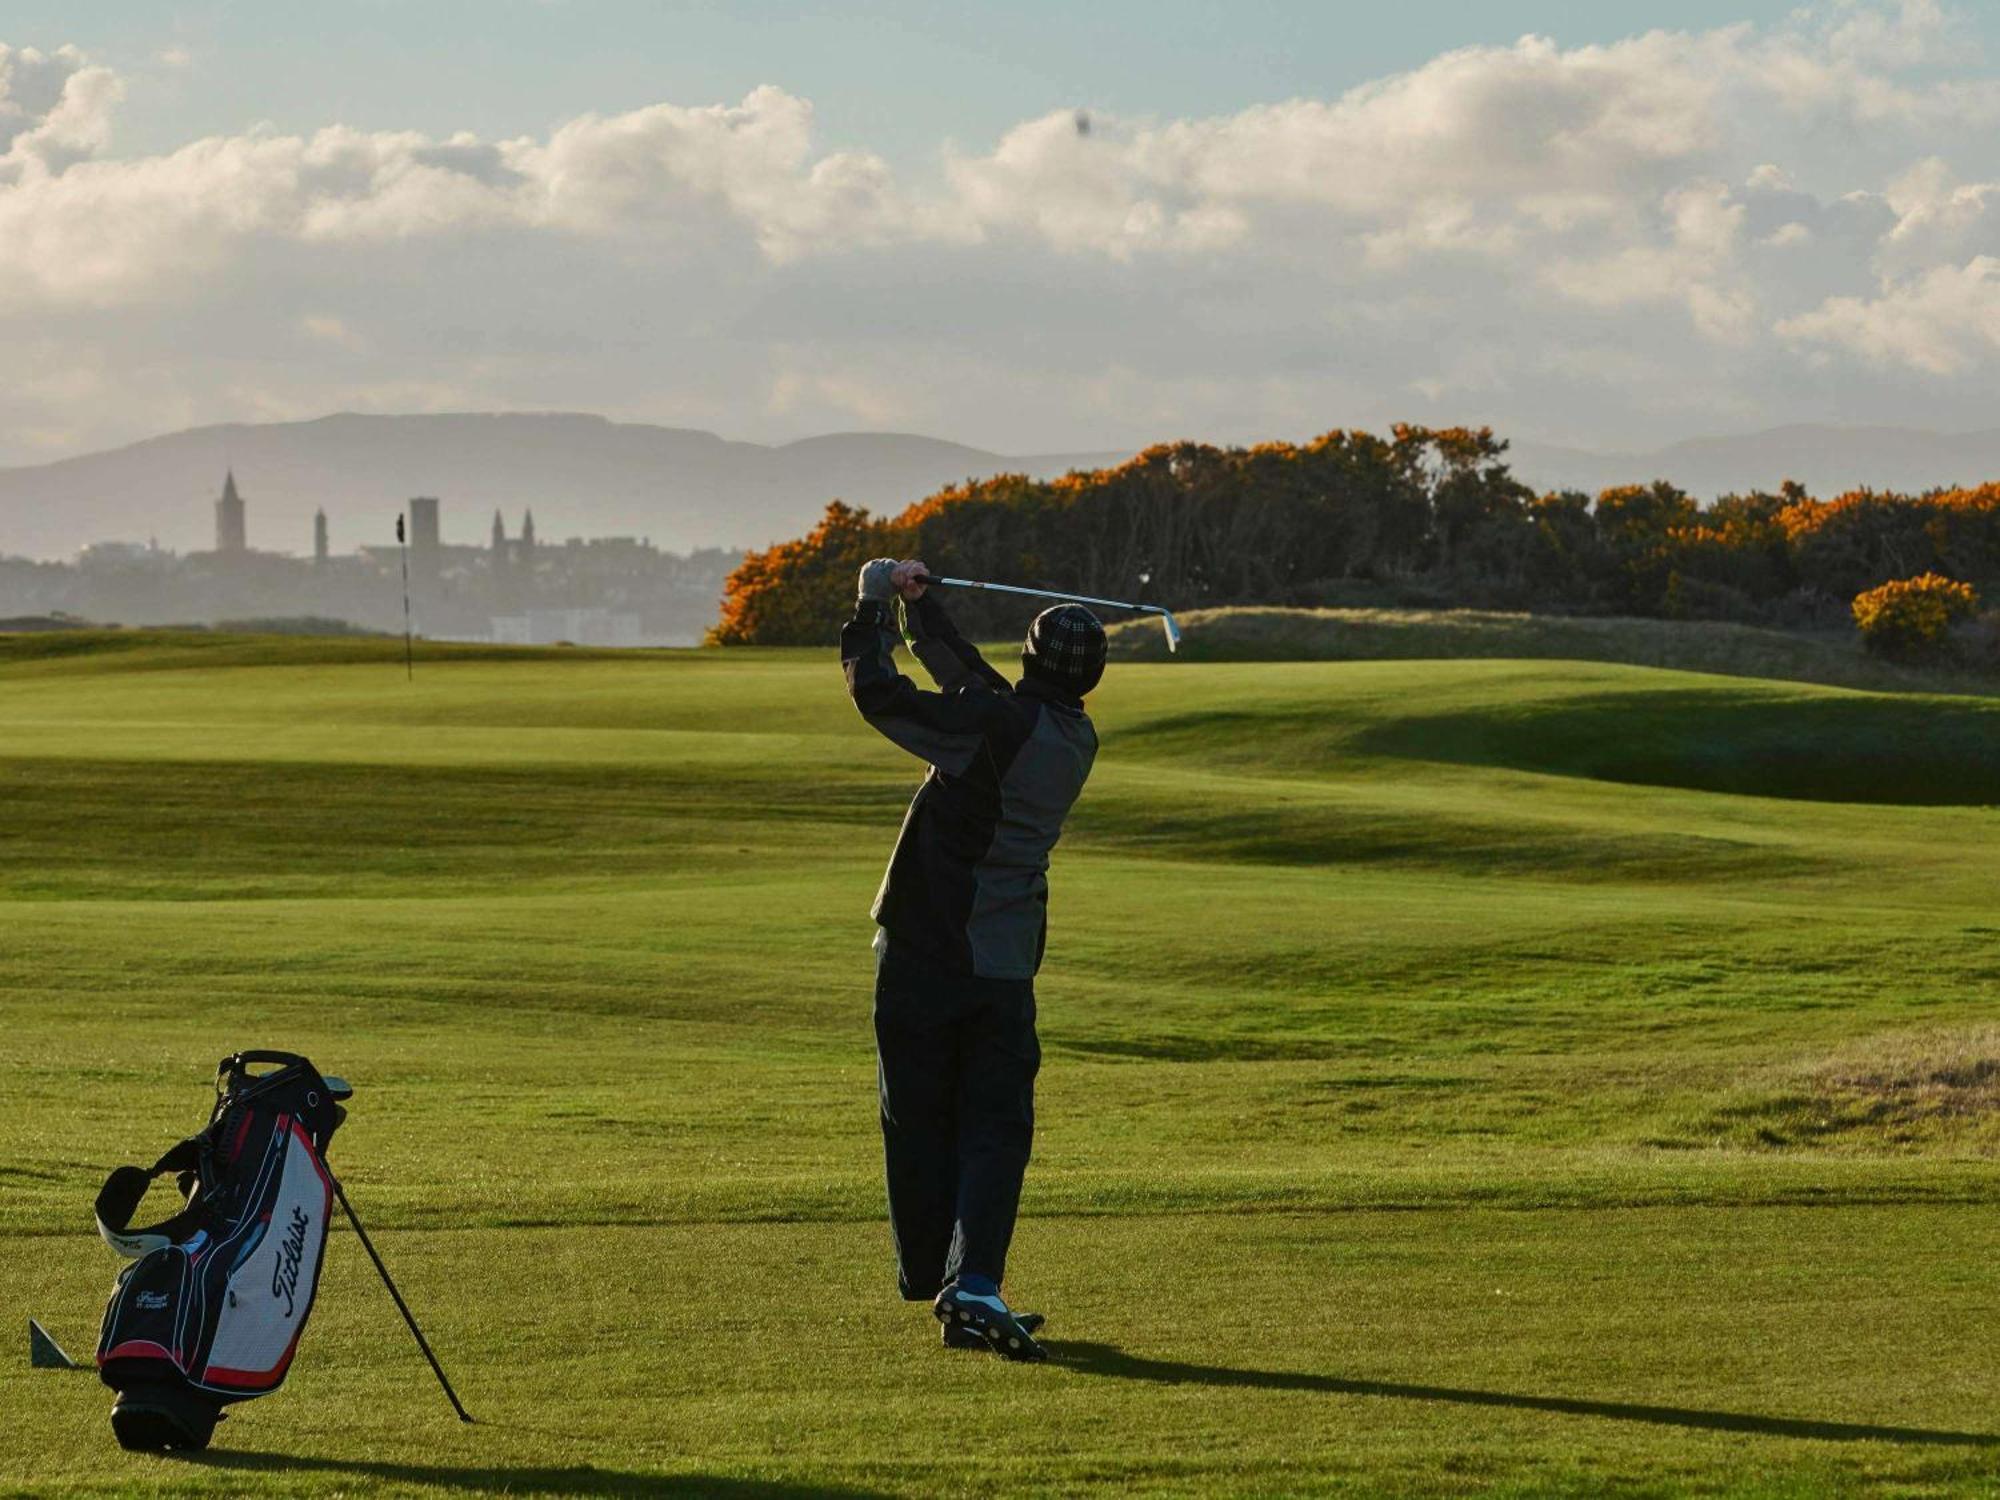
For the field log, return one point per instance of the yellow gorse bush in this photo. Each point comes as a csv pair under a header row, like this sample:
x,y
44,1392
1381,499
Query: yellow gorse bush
x,y
1422,515
1911,618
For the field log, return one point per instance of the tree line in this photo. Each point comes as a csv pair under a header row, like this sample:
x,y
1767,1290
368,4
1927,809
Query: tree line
x,y
1426,516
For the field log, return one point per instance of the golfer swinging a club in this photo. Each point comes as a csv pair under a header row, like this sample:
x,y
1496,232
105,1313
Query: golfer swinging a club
x,y
961,920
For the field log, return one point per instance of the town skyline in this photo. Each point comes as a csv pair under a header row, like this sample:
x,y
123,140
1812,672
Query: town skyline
x,y
232,528
605,591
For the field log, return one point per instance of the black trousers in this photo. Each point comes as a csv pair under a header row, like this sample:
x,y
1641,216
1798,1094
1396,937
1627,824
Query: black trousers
x,y
956,1060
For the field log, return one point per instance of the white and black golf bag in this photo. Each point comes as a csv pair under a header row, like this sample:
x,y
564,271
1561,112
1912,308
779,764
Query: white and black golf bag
x,y
212,1305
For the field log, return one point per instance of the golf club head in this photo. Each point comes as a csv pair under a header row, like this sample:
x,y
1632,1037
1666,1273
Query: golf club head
x,y
1173,631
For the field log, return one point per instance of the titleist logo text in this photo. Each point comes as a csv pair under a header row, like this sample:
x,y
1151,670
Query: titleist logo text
x,y
285,1275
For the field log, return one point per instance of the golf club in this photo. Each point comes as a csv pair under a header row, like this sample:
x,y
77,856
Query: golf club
x,y
1166,619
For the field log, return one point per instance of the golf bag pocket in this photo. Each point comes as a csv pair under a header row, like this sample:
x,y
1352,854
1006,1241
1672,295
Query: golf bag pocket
x,y
272,1276
144,1328
212,1306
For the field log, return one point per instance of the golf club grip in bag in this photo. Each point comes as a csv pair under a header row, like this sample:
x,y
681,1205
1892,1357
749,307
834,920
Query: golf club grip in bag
x,y
212,1305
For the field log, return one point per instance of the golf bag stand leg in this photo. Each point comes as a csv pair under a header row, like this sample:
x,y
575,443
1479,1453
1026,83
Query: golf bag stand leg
x,y
401,1306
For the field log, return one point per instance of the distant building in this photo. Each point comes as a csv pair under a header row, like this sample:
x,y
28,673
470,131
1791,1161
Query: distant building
x,y
508,555
320,552
426,551
231,531
117,554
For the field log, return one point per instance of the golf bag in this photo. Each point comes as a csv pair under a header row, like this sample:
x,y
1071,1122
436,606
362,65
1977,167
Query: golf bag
x,y
212,1305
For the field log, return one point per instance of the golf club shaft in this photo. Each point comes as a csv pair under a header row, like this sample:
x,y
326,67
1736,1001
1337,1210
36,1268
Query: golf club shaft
x,y
401,1306
1009,588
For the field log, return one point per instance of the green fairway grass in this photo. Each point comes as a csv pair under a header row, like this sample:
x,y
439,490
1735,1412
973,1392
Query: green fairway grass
x,y
1508,1076
1833,657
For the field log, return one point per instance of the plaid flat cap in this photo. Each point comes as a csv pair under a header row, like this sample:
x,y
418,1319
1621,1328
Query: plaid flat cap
x,y
1066,644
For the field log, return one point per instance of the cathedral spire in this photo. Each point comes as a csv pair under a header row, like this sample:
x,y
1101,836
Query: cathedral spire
x,y
231,530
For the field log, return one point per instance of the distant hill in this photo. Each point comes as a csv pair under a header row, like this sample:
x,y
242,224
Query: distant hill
x,y
589,476
1826,460
583,475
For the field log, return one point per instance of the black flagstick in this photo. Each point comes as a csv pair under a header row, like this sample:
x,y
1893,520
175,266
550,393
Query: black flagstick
x,y
409,662
401,1306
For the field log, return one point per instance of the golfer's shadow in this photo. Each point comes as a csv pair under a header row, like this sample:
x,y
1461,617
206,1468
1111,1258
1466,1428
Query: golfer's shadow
x,y
1107,1359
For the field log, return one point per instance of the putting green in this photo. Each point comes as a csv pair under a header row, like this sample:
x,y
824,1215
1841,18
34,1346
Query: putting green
x,y
1526,1076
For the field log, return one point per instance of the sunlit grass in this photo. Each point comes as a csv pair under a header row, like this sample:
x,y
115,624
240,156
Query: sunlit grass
x,y
1444,1089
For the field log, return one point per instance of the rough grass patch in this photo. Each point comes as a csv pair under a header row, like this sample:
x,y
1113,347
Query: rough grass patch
x,y
1892,1093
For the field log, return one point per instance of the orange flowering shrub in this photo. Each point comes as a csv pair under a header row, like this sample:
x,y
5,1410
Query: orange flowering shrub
x,y
1429,515
1184,521
1911,619
1964,527
796,592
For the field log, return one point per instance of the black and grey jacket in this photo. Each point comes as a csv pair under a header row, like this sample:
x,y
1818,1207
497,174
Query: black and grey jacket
x,y
968,883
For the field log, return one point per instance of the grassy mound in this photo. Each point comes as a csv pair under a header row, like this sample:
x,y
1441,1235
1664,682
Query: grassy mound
x,y
1824,746
1600,722
1424,1109
1269,634
168,649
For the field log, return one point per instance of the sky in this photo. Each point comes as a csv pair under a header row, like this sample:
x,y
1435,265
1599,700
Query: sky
x,y
1033,227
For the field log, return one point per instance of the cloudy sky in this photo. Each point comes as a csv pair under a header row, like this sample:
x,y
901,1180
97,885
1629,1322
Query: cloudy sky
x,y
1030,227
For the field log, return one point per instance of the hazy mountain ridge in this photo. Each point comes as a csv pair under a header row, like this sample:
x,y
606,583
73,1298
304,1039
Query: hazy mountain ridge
x,y
583,475
1827,460
587,475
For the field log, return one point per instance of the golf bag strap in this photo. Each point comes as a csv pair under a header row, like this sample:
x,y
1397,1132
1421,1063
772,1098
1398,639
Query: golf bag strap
x,y
119,1199
233,1076
237,1061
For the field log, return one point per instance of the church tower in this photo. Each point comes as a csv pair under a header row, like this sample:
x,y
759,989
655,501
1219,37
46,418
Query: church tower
x,y
231,532
528,532
319,538
499,540
426,543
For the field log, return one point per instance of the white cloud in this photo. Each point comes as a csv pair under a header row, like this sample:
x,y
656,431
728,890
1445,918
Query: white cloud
x,y
666,168
104,231
326,329
55,109
1915,33
798,385
1771,215
1939,219
1944,322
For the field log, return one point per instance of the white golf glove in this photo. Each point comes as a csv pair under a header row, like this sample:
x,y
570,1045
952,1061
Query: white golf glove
x,y
878,581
